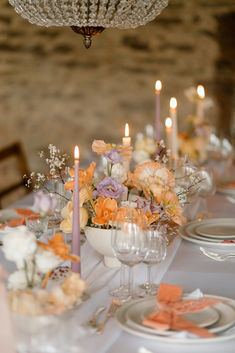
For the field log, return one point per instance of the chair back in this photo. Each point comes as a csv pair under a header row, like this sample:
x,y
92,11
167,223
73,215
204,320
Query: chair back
x,y
15,150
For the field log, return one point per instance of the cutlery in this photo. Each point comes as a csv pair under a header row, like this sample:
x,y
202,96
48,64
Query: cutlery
x,y
93,321
216,256
230,199
111,311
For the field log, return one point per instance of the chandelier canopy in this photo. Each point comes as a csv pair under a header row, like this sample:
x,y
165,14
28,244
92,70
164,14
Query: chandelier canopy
x,y
89,17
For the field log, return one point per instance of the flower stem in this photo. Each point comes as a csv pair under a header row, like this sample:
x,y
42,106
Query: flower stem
x,y
90,198
44,283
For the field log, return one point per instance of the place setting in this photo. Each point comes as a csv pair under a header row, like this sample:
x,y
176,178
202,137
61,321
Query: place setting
x,y
205,318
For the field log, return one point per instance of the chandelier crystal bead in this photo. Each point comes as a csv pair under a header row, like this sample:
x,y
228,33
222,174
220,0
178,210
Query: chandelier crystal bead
x,y
89,13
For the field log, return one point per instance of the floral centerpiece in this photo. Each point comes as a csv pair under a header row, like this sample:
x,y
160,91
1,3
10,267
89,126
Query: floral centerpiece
x,y
151,192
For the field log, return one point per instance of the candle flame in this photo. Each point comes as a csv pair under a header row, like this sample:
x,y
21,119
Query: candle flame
x,y
168,123
201,91
126,130
76,152
158,86
173,103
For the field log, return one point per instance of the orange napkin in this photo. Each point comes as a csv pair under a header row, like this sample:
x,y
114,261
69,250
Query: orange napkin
x,y
23,212
172,307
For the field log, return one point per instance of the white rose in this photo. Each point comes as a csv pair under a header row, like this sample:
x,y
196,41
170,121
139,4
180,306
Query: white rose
x,y
19,245
118,172
141,156
17,280
46,261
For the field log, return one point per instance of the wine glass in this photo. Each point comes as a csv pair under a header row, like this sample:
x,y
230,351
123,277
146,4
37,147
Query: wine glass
x,y
154,252
37,225
206,189
128,239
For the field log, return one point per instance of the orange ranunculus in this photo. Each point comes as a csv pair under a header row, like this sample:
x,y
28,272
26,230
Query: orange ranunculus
x,y
104,209
152,173
129,181
137,216
58,247
99,146
85,176
152,217
125,212
172,208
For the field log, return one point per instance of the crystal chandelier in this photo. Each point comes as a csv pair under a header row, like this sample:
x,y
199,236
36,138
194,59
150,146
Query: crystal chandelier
x,y
89,17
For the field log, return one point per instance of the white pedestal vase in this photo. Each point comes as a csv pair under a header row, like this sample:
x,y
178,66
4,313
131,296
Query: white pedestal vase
x,y
100,240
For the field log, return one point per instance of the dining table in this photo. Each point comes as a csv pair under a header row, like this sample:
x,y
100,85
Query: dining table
x,y
185,265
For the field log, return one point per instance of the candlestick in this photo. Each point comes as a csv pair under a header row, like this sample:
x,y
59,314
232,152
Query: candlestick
x,y
200,103
158,87
76,266
126,141
168,125
173,115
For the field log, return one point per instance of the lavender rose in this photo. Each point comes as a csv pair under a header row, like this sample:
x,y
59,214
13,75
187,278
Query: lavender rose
x,y
110,187
113,156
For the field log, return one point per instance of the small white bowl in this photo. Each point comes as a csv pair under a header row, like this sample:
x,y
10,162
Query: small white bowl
x,y
100,240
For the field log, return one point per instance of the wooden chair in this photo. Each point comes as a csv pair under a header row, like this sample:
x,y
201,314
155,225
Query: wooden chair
x,y
15,150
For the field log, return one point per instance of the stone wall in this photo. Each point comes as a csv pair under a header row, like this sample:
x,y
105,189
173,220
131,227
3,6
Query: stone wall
x,y
53,90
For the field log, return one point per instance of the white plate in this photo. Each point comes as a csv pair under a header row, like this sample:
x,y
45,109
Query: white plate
x,y
190,231
224,231
227,320
184,233
226,190
135,316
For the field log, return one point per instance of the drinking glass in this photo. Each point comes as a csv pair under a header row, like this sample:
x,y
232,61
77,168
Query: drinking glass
x,y
154,252
37,225
206,190
128,239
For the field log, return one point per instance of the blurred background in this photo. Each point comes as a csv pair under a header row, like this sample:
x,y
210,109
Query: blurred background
x,y
53,90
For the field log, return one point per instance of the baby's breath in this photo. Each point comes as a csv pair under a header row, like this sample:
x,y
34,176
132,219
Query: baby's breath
x,y
57,168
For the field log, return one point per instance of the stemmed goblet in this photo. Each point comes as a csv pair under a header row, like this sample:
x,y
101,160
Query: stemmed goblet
x,y
154,252
128,238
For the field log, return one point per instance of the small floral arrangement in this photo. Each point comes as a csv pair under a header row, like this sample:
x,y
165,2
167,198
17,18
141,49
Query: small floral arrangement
x,y
195,139
35,262
151,191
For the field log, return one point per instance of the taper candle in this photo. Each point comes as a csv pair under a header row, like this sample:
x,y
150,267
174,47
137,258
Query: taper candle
x,y
168,126
173,115
126,141
200,103
158,87
76,266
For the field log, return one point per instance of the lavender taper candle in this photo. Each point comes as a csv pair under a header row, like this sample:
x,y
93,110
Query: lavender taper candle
x,y
158,87
76,266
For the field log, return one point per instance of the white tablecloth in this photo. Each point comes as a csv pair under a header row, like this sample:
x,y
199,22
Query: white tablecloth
x,y
185,266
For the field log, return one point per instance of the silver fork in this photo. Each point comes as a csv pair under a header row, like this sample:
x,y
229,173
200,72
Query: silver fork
x,y
93,321
111,312
216,256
